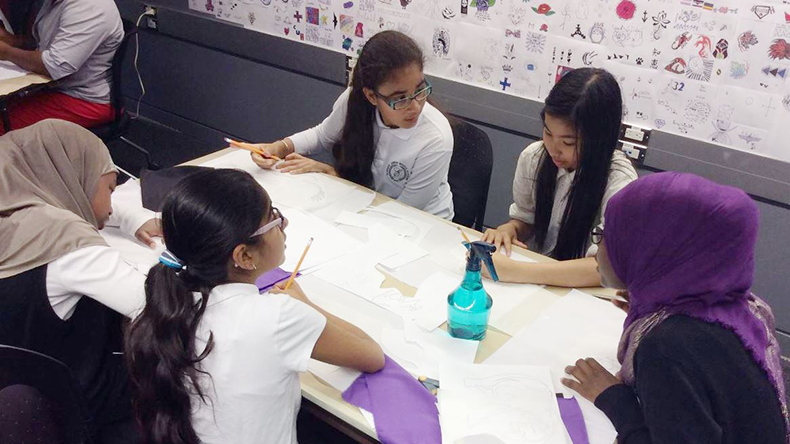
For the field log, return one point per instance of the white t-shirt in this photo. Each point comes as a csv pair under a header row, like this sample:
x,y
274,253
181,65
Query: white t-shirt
x,y
410,165
261,344
99,272
621,173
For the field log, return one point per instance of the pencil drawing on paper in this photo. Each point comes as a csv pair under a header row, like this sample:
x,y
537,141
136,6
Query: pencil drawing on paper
x,y
507,408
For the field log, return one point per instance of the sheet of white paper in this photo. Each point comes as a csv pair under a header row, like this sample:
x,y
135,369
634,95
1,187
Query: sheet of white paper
x,y
369,418
356,220
576,326
440,346
346,305
356,200
328,242
417,272
396,214
507,296
421,352
340,378
386,240
8,70
356,272
309,192
434,292
516,404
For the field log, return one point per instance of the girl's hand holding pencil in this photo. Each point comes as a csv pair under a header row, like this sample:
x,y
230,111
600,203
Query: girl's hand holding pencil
x,y
265,155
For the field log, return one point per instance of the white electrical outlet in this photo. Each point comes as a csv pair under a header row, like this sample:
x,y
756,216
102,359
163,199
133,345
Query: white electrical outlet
x,y
634,134
631,151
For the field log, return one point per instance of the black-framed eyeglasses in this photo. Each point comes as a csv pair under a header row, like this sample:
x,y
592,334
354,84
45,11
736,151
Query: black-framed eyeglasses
x,y
420,95
596,235
278,220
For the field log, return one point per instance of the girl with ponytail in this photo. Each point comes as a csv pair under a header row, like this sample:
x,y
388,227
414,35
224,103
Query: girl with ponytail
x,y
211,360
382,132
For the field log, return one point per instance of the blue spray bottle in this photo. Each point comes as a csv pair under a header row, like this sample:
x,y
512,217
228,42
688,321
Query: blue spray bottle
x,y
469,306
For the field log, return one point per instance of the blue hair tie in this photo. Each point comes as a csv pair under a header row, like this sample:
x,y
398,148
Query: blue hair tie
x,y
170,260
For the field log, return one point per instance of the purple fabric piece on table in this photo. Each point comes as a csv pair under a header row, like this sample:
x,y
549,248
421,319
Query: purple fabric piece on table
x,y
403,410
574,420
685,245
270,278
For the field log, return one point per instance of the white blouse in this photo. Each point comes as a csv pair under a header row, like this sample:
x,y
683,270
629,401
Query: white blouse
x,y
409,165
621,173
99,272
261,344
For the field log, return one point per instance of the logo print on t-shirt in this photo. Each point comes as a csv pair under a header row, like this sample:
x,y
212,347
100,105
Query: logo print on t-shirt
x,y
398,172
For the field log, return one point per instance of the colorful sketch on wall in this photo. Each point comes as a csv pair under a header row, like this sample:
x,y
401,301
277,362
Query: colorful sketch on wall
x,y
684,66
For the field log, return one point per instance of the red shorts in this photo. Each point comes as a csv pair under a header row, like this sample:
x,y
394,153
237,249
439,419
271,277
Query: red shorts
x,y
56,105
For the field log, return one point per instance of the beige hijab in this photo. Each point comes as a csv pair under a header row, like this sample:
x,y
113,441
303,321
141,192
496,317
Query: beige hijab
x,y
48,175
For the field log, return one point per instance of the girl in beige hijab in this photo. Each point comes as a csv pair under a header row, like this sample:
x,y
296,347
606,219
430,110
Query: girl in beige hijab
x,y
56,179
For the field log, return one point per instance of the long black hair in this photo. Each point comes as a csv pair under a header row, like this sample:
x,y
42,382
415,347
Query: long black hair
x,y
204,218
382,55
589,100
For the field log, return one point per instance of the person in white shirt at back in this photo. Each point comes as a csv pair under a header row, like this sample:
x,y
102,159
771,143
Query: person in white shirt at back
x,y
382,133
212,360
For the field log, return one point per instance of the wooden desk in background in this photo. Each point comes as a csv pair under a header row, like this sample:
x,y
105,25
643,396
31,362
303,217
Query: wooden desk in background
x,y
326,402
17,88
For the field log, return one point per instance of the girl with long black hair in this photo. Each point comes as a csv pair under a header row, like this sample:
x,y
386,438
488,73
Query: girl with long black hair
x,y
211,360
382,132
563,182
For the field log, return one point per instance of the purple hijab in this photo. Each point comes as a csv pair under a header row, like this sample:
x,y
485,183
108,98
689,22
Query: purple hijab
x,y
685,245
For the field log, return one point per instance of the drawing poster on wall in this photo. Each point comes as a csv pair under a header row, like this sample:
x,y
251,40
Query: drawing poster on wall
x,y
713,70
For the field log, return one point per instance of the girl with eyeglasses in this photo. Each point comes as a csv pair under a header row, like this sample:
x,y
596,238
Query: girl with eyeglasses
x,y
563,182
382,132
211,360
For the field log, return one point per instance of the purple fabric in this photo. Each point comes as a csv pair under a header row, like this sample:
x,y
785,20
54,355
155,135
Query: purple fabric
x,y
685,245
574,420
404,411
270,278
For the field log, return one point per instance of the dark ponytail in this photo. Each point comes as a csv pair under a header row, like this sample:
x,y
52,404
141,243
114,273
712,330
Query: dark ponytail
x,y
588,99
203,219
382,55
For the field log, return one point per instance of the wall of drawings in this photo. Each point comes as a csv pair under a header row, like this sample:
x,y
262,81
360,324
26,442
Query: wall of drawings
x,y
711,70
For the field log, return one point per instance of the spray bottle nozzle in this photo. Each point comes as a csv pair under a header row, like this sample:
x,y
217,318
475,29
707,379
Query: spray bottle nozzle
x,y
480,251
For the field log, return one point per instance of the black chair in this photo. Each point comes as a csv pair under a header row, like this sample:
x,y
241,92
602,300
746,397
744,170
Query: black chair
x,y
54,382
470,173
116,129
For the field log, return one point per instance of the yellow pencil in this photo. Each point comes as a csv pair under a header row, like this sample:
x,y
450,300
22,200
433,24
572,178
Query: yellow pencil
x,y
463,234
251,148
298,264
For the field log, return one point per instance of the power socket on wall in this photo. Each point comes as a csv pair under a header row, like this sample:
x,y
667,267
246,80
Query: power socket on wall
x,y
150,19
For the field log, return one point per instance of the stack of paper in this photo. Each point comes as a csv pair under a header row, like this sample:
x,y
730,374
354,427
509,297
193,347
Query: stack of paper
x,y
576,326
509,404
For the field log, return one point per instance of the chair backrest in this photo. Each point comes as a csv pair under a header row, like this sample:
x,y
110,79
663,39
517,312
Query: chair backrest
x,y
53,379
470,173
116,95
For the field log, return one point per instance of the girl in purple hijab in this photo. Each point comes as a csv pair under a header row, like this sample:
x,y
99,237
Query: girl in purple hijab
x,y
700,362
